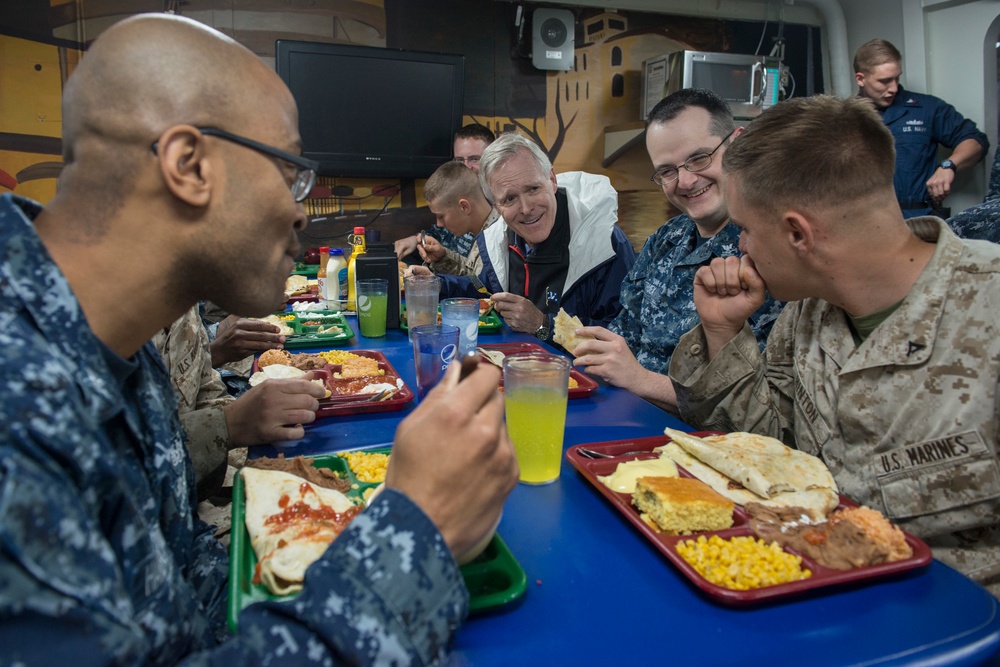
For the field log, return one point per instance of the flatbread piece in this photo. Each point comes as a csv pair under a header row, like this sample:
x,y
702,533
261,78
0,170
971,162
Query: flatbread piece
x,y
291,523
762,464
564,330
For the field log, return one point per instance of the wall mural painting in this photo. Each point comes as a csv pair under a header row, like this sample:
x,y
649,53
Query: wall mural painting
x,y
576,115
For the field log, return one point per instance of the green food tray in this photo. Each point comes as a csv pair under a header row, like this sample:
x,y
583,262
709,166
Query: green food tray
x,y
306,336
305,269
494,579
488,323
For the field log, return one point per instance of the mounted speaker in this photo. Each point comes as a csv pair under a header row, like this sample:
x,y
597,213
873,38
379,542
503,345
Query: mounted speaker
x,y
552,36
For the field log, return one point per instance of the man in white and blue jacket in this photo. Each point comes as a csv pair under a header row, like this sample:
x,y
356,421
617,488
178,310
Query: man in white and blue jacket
x,y
556,245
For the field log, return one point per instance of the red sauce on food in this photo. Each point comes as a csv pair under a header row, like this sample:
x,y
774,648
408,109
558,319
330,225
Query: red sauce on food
x,y
312,520
300,512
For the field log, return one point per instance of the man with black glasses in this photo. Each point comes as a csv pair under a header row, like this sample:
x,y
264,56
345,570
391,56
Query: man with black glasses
x,y
103,560
686,135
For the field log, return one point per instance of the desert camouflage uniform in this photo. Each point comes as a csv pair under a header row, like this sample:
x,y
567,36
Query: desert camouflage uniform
x,y
469,264
102,561
658,294
200,391
907,422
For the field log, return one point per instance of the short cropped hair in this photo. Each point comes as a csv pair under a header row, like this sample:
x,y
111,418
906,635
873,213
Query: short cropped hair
x,y
873,53
450,182
508,145
671,106
812,152
475,131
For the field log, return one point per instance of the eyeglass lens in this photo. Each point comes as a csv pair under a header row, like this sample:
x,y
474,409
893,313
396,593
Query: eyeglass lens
x,y
670,174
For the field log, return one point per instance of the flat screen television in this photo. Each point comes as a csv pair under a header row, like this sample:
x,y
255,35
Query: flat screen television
x,y
372,112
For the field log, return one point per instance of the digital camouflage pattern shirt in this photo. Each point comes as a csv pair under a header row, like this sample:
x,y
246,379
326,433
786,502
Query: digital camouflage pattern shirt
x,y
457,244
102,560
983,220
907,421
658,295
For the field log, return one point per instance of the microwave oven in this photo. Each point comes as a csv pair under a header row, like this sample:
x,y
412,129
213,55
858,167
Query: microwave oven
x,y
749,84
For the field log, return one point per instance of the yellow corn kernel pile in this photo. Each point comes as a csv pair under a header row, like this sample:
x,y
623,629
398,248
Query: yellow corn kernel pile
x,y
367,467
286,318
336,356
741,563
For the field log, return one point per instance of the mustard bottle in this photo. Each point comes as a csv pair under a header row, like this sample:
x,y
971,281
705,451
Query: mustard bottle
x,y
357,239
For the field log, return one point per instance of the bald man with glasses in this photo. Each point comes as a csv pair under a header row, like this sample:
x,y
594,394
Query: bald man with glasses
x,y
182,182
686,135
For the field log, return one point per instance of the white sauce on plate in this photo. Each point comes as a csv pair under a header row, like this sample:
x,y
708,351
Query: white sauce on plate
x,y
624,477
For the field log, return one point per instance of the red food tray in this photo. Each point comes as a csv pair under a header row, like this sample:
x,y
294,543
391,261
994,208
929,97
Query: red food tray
x,y
337,406
585,383
822,577
302,297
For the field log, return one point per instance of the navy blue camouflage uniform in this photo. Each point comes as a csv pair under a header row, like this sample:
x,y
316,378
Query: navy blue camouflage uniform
x,y
919,123
460,244
102,560
983,220
657,297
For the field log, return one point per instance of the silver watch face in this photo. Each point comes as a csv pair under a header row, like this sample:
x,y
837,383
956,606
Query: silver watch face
x,y
542,332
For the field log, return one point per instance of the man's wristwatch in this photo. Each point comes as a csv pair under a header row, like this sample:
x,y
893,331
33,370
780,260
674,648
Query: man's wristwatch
x,y
542,332
948,164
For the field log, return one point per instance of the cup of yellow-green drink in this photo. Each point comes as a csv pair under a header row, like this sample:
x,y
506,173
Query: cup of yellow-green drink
x,y
535,387
373,298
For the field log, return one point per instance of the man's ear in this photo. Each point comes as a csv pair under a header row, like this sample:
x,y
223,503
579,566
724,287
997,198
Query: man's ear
x,y
799,232
860,78
186,169
465,206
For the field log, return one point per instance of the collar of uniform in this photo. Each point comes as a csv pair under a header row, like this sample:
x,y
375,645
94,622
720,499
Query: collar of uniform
x,y
904,100
34,279
907,337
680,231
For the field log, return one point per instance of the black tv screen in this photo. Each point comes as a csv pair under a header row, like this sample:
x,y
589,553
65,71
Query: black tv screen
x,y
371,112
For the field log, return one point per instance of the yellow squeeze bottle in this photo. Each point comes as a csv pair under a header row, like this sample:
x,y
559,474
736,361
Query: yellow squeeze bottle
x,y
357,239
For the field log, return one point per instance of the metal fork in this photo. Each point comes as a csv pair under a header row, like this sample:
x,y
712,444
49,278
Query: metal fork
x,y
591,454
357,398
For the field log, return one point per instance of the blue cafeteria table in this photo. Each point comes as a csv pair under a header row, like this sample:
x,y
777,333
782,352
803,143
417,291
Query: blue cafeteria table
x,y
600,593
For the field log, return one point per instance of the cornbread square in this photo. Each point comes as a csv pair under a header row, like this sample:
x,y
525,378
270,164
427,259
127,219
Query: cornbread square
x,y
681,505
356,367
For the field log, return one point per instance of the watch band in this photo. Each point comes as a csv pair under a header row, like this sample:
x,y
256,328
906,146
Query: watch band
x,y
948,164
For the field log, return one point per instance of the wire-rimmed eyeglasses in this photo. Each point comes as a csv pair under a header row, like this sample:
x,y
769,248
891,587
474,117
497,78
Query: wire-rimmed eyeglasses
x,y
472,159
305,170
699,162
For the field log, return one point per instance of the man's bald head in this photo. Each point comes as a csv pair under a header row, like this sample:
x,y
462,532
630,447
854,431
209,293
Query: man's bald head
x,y
155,70
144,75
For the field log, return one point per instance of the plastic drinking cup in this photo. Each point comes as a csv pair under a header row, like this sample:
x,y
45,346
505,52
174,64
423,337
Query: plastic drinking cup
x,y
464,314
373,296
422,293
434,347
535,387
